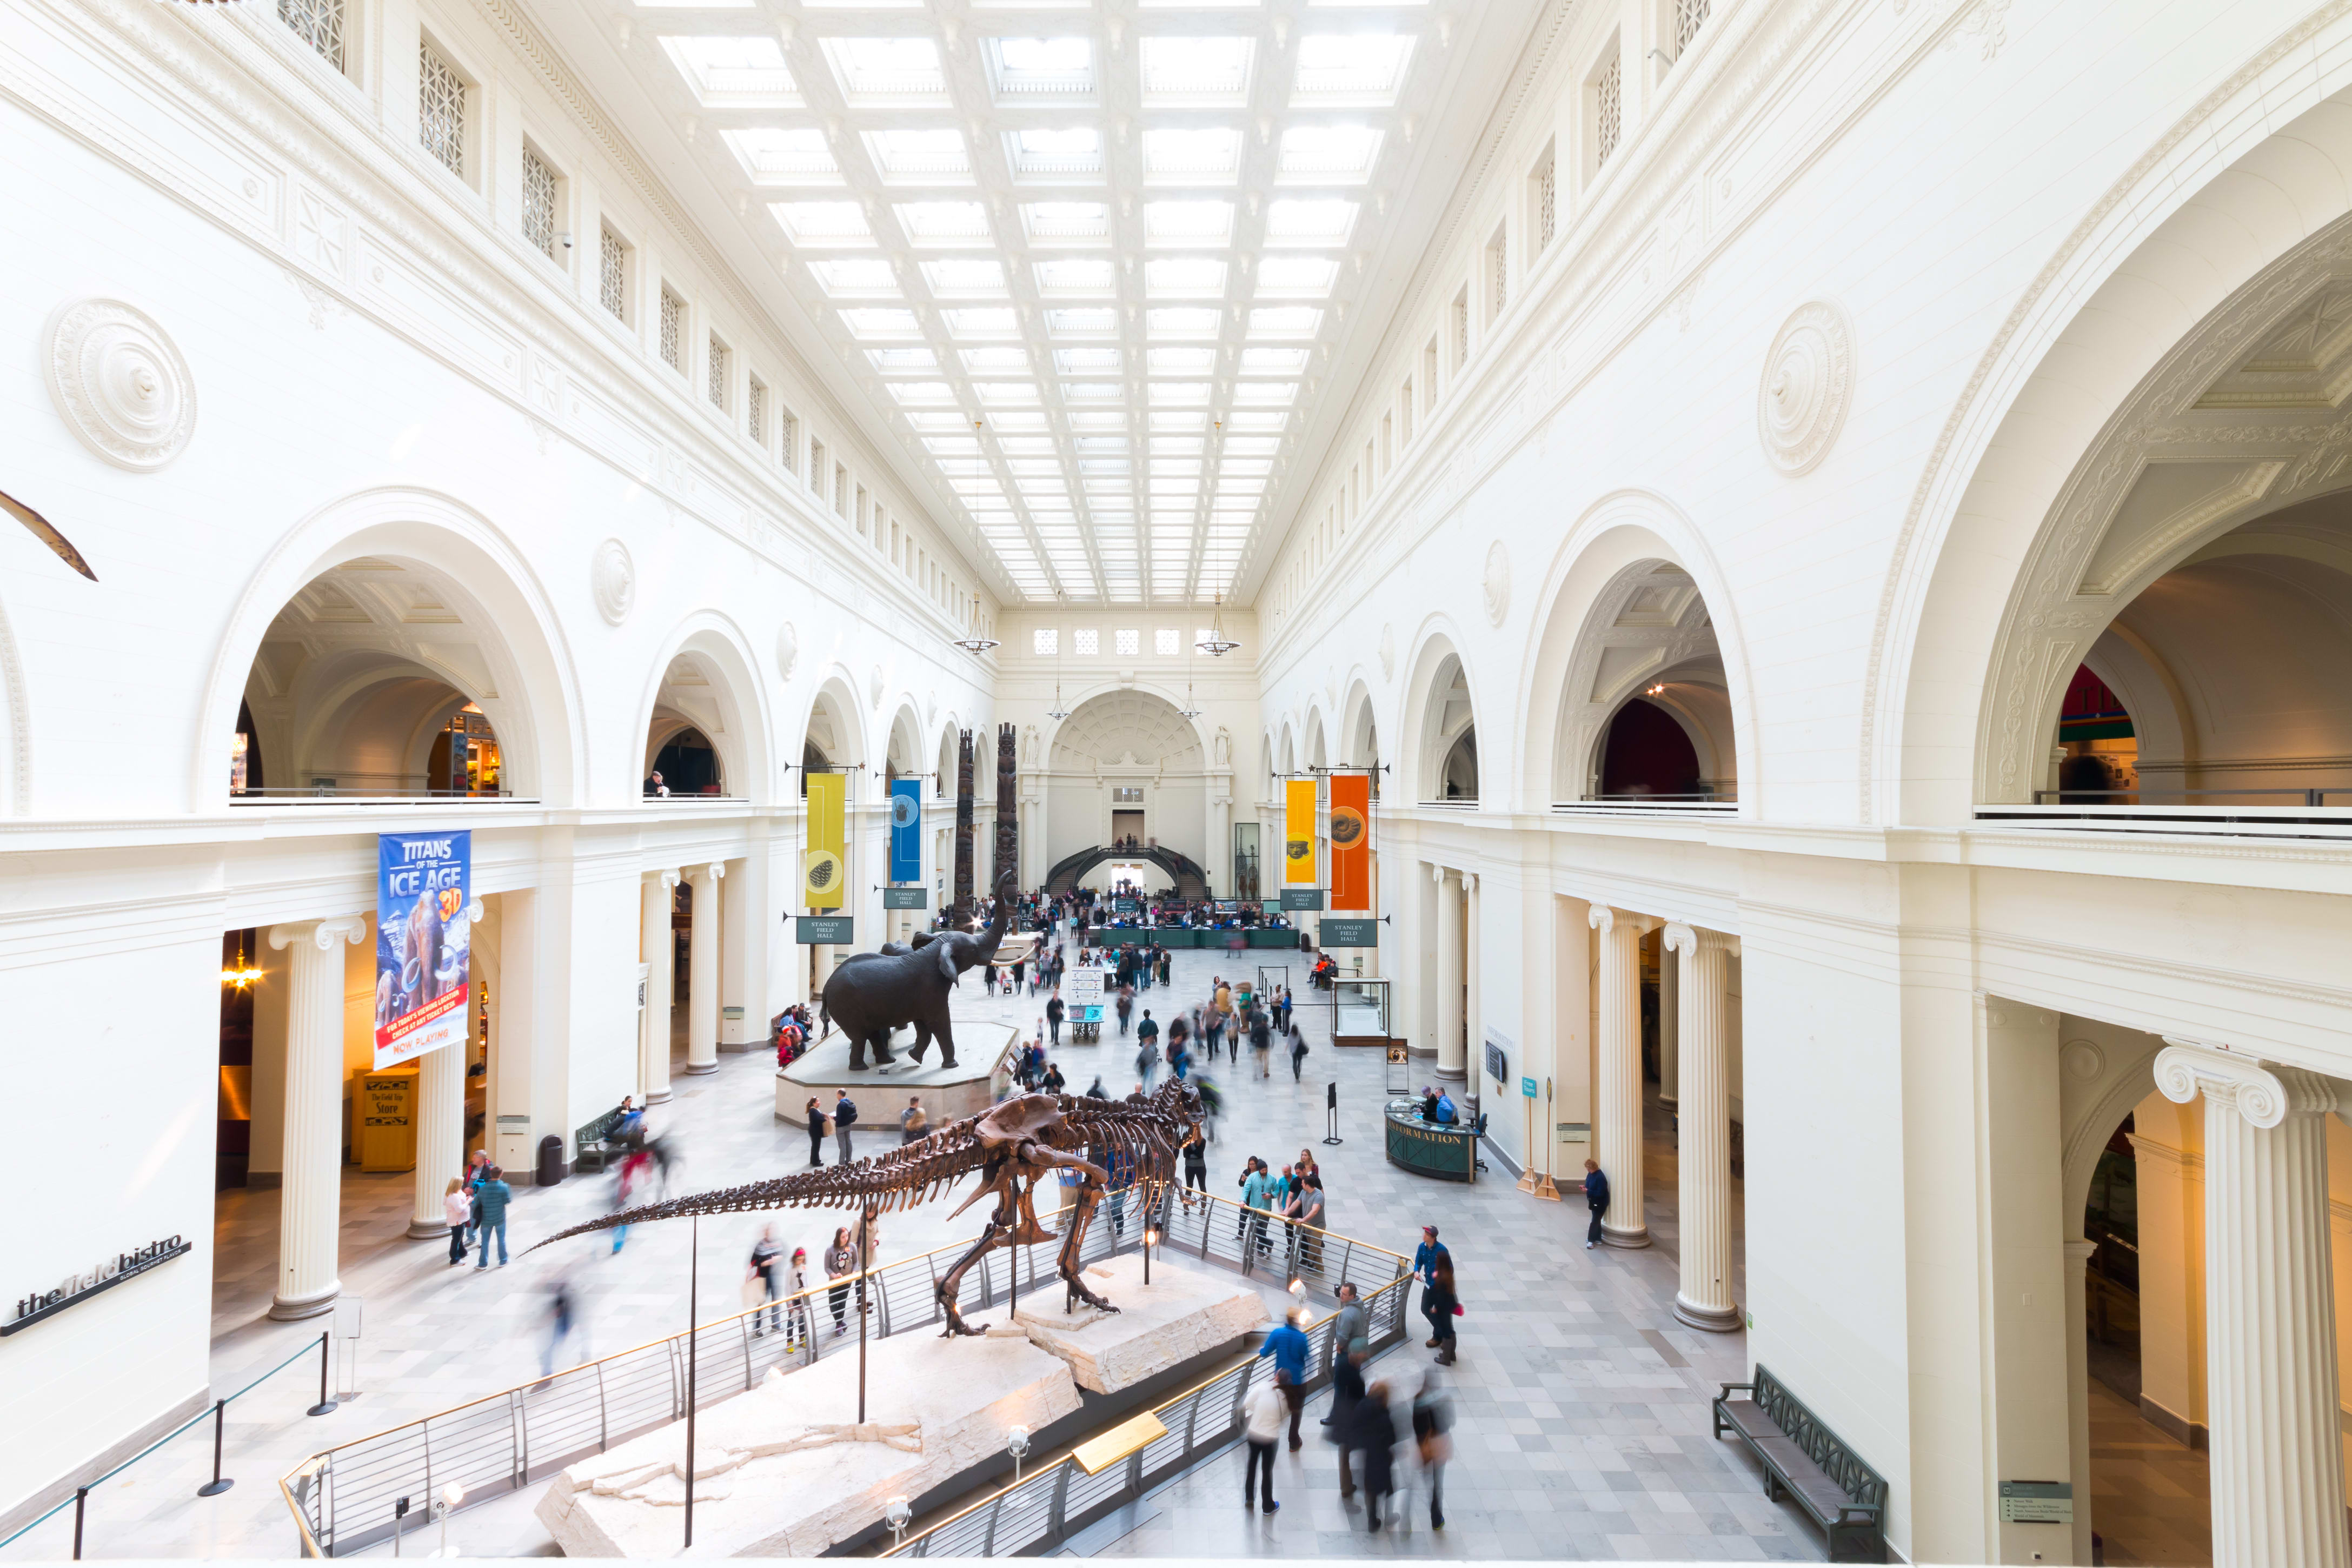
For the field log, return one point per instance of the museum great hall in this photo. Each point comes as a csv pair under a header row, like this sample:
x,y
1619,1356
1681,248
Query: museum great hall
x,y
1757,591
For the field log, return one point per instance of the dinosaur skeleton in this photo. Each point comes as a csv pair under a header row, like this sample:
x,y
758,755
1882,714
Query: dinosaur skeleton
x,y
1011,1147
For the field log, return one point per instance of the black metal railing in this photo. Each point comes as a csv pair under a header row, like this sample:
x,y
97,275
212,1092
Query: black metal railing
x,y
2282,798
342,1498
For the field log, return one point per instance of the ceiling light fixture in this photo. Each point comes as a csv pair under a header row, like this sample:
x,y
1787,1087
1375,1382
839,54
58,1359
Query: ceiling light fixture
x,y
1216,644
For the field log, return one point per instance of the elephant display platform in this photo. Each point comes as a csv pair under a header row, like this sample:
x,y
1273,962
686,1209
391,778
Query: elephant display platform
x,y
983,1066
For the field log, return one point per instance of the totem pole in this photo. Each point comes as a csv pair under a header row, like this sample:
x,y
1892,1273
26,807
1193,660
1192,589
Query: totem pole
x,y
1008,807
961,911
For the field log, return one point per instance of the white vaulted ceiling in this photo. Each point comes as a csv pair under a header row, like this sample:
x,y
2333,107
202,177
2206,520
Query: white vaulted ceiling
x,y
1101,266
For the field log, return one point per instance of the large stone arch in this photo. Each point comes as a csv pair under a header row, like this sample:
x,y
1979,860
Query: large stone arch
x,y
834,722
1358,741
706,677
501,644
1632,600
1441,701
2192,239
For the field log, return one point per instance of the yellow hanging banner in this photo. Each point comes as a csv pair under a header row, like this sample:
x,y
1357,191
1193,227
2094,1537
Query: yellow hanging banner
x,y
824,867
1298,833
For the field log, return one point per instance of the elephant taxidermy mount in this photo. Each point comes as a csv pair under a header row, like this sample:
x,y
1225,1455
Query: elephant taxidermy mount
x,y
870,993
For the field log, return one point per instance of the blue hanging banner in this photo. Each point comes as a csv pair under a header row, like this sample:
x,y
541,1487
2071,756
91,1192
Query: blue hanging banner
x,y
905,830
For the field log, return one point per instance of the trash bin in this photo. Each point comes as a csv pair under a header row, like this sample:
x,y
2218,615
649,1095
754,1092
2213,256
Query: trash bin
x,y
550,1161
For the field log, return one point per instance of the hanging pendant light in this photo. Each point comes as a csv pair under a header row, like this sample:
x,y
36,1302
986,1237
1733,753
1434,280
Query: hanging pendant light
x,y
1216,644
1057,712
242,973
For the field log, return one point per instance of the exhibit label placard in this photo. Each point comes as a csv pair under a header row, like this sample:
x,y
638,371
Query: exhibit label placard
x,y
810,930
906,898
1338,932
1302,898
423,943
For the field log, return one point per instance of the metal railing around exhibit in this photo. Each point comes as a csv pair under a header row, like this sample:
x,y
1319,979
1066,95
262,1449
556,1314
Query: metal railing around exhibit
x,y
1038,1513
343,1499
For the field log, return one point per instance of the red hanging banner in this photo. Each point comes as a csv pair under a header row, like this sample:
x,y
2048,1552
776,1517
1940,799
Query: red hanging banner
x,y
1352,841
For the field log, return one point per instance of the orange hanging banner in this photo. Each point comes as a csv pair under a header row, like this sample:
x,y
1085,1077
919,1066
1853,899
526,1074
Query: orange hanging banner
x,y
1352,841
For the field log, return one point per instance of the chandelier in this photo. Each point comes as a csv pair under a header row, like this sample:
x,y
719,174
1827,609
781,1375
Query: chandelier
x,y
243,973
1216,644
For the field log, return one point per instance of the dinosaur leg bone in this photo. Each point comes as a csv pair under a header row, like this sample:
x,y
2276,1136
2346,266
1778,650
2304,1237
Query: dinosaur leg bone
x,y
1073,1237
998,1234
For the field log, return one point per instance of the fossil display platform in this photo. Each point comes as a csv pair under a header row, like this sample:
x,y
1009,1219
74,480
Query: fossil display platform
x,y
966,1088
785,1471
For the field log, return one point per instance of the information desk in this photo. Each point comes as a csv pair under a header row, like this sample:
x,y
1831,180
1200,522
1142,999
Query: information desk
x,y
1450,1154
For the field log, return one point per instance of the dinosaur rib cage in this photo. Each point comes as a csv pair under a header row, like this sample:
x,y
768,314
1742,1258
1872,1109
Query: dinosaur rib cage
x,y
1148,1133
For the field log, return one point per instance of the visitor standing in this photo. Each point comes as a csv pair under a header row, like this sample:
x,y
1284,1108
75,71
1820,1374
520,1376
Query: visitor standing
x,y
1196,1167
1347,1390
1442,1306
1262,1426
816,1130
1372,1431
1348,1324
844,1117
456,1208
1425,1258
764,1253
1261,1039
912,1122
1596,1198
840,1263
493,1197
1055,1012
1287,1345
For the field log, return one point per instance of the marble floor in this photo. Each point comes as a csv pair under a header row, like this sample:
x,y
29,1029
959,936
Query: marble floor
x,y
2149,1494
1582,1402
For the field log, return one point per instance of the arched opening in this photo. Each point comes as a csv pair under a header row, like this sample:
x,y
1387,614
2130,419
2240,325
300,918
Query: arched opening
x,y
1127,772
1446,739
375,679
2226,682
1646,754
684,758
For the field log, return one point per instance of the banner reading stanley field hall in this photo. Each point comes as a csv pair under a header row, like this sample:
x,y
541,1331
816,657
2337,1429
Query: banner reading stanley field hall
x,y
905,830
423,882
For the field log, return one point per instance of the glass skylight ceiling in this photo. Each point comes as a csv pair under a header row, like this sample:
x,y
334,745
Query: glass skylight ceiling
x,y
1088,257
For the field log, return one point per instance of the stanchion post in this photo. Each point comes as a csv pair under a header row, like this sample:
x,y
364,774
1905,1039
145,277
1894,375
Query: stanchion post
x,y
82,1495
325,1406
217,1486
693,1307
1332,1113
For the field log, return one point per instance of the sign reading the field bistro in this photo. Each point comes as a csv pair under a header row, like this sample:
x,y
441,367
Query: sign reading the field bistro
x,y
838,929
906,898
1338,932
1302,898
79,1287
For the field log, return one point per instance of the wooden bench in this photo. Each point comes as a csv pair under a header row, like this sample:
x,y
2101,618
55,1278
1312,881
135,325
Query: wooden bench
x,y
595,1143
1804,1458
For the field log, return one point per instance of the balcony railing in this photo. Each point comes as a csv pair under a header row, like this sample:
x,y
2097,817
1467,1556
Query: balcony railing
x,y
1723,801
348,789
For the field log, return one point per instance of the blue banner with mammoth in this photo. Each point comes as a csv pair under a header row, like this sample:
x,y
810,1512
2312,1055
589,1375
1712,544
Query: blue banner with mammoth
x,y
423,925
905,830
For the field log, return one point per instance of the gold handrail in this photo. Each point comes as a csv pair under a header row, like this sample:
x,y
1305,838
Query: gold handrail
x,y
1404,1282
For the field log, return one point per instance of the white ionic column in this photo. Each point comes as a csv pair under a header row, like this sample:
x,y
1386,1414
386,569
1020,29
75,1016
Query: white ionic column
x,y
1617,1096
1448,966
658,948
1473,1021
1669,1023
1703,1156
310,1202
440,1135
702,970
2277,1468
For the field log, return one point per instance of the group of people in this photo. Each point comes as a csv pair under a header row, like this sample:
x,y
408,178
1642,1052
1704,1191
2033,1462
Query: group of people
x,y
1363,1423
475,1206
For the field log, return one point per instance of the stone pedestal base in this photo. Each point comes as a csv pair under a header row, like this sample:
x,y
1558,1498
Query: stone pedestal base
x,y
1181,1314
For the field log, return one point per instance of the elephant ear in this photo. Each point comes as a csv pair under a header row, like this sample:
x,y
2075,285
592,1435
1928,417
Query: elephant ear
x,y
922,938
947,963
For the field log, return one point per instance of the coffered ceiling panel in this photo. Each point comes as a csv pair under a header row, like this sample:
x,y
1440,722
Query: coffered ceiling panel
x,y
1094,265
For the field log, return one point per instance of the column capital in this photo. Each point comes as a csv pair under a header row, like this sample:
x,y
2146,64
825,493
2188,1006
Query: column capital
x,y
2264,1096
1469,881
1681,936
1605,918
668,877
1437,874
709,873
320,934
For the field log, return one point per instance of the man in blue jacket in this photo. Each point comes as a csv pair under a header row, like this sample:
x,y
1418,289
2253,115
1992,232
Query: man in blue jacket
x,y
1288,1346
493,1194
1424,1264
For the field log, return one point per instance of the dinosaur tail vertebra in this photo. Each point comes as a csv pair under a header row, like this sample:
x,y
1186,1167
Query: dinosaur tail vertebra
x,y
898,1180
